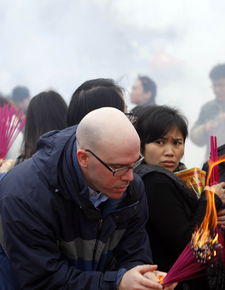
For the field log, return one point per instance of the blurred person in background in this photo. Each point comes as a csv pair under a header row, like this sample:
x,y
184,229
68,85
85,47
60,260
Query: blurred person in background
x,y
174,210
3,101
47,111
143,92
211,120
94,94
21,97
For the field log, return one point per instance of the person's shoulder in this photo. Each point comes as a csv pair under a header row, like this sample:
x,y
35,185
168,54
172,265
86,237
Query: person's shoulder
x,y
23,188
137,181
137,186
157,177
210,104
154,172
20,181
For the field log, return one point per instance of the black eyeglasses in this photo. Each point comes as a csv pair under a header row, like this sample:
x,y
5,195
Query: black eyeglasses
x,y
118,171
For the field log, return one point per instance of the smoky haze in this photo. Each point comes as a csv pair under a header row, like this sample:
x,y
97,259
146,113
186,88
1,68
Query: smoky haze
x,y
59,44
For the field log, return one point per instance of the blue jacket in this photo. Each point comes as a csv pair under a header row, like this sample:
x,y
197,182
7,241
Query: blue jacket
x,y
54,236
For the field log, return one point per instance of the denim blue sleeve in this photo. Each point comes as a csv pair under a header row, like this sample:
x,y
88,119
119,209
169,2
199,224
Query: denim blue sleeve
x,y
1,175
119,276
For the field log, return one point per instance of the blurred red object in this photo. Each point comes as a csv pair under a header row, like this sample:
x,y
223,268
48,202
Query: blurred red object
x,y
12,121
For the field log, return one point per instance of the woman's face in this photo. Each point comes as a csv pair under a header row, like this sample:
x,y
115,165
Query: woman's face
x,y
166,151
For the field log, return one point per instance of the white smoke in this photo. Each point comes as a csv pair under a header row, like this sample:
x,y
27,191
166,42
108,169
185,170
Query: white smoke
x,y
59,44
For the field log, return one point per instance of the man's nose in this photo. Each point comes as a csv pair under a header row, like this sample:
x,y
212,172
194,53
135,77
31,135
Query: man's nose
x,y
129,176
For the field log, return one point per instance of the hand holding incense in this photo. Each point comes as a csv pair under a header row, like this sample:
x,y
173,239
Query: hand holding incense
x,y
207,241
159,277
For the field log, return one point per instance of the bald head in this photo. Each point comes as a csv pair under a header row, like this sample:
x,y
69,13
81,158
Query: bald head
x,y
106,129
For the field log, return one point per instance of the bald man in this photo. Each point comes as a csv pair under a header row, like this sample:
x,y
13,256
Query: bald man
x,y
74,214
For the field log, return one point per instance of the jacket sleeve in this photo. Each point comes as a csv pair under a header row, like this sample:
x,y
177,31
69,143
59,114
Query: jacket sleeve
x,y
35,256
134,248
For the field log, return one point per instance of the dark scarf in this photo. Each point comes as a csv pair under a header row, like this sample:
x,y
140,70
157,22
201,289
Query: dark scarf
x,y
71,181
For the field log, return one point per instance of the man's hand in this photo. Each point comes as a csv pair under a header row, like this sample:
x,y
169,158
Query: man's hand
x,y
158,275
135,279
218,189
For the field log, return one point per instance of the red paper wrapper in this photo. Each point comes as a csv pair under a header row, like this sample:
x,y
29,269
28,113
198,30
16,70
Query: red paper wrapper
x,y
194,178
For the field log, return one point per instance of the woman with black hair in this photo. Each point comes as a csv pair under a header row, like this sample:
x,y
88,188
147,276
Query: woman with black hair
x,y
94,94
174,210
47,111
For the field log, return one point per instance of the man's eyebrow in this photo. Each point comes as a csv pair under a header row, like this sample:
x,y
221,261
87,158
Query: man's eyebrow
x,y
117,164
122,165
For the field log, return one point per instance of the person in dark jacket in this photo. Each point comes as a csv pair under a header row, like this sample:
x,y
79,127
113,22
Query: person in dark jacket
x,y
74,214
174,209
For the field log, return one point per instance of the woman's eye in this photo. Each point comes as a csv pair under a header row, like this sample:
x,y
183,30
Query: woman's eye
x,y
159,142
178,142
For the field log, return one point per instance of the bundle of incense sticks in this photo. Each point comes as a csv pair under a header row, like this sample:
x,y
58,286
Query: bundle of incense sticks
x,y
207,241
214,178
12,121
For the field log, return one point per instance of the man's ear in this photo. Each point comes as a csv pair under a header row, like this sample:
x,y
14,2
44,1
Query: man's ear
x,y
148,95
82,157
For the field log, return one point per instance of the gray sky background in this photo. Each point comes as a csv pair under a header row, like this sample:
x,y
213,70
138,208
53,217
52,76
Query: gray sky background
x,y
59,44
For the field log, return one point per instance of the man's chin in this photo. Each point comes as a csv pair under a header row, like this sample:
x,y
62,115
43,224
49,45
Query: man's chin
x,y
118,192
117,195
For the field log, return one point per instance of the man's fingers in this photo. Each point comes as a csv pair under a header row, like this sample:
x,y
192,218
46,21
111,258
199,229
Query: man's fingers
x,y
135,279
150,284
146,268
151,276
221,212
171,287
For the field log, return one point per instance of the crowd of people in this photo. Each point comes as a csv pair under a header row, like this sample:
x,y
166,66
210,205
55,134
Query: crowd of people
x,y
92,201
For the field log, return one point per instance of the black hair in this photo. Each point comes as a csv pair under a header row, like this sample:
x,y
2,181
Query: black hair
x,y
148,85
153,122
217,72
94,94
46,111
3,101
20,93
